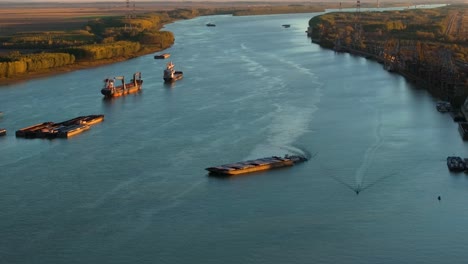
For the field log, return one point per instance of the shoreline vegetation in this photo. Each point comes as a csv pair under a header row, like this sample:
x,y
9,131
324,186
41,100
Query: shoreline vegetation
x,y
427,46
42,39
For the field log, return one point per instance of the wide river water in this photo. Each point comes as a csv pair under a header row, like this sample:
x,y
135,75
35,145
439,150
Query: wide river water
x,y
133,188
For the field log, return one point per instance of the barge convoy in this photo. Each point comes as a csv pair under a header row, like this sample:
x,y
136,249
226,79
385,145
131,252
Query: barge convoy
x,y
112,90
170,74
256,165
63,129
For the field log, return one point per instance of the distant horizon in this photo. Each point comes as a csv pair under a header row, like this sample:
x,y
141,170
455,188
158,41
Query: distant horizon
x,y
285,1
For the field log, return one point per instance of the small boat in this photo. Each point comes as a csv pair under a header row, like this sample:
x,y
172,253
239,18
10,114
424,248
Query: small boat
x,y
286,25
112,90
256,165
170,74
210,25
456,164
162,56
2,132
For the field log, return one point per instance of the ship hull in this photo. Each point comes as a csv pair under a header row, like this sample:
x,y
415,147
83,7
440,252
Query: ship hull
x,y
177,76
118,91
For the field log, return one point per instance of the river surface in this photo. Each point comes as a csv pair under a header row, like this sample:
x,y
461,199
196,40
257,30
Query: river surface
x,y
133,188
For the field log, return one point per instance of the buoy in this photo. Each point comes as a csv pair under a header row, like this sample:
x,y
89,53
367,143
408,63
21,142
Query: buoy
x,y
438,198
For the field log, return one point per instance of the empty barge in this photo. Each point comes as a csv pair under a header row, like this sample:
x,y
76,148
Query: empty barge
x,y
248,166
162,56
63,129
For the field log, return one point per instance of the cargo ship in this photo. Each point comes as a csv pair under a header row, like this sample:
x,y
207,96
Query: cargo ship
x,y
261,164
111,89
170,74
162,56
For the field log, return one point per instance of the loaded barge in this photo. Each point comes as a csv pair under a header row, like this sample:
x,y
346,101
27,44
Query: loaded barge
x,y
256,165
63,129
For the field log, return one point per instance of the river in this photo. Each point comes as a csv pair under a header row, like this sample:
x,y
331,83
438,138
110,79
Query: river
x,y
133,188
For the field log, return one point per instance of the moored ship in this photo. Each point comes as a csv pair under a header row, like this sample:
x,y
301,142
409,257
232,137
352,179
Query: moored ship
x,y
170,74
111,89
256,165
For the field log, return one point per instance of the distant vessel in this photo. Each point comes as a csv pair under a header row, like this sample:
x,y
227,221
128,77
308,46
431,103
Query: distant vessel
x,y
2,132
111,90
162,56
456,164
210,25
286,25
170,74
256,165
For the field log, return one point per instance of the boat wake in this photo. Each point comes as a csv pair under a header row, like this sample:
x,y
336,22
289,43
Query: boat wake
x,y
360,187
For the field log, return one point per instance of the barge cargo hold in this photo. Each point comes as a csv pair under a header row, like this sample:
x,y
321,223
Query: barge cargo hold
x,y
63,129
248,166
111,90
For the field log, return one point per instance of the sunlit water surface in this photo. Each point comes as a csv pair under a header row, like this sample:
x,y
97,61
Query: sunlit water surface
x,y
133,189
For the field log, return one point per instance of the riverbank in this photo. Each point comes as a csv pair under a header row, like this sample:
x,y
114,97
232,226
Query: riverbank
x,y
69,68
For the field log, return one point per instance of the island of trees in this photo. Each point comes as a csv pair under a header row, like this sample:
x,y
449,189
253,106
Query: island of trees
x,y
429,46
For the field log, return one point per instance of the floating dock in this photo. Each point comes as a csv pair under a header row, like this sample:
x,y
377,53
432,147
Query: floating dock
x,y
63,129
256,165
